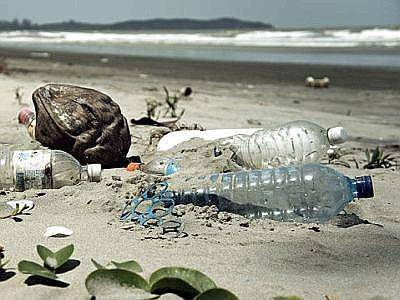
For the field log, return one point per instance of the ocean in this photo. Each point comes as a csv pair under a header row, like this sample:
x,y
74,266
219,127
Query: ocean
x,y
367,47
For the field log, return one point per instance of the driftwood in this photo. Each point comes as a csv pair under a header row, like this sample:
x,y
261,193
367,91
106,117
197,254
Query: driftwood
x,y
83,122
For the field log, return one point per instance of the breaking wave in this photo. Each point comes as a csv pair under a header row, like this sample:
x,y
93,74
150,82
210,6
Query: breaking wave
x,y
377,37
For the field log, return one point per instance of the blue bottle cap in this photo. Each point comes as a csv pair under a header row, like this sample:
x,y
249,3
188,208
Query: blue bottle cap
x,y
172,167
364,187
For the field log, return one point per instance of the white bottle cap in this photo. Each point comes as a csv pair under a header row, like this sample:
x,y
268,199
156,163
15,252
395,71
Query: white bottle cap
x,y
337,135
94,172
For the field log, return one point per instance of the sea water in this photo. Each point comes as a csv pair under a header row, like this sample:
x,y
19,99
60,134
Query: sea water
x,y
366,47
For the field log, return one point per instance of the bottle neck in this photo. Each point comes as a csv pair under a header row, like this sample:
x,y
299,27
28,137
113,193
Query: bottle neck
x,y
353,187
84,175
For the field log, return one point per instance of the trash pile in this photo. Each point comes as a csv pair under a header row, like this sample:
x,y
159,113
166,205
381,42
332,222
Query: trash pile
x,y
277,172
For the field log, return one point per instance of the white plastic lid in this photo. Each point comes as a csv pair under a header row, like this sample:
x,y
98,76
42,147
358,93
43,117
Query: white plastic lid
x,y
94,172
337,135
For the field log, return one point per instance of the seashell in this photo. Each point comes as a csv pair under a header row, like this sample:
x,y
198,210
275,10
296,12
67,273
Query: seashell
x,y
57,231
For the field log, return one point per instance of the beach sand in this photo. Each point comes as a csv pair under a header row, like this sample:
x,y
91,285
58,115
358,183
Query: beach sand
x,y
256,259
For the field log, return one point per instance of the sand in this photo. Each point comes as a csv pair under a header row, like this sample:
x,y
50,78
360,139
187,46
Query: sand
x,y
256,259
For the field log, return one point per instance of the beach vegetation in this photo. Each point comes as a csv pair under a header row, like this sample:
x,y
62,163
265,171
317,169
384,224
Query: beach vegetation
x,y
378,159
121,279
53,262
168,108
2,263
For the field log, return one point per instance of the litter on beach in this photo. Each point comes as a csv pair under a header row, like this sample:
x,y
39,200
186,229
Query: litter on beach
x,y
57,231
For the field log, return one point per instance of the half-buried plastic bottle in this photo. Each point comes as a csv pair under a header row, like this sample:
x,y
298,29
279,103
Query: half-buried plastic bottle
x,y
42,169
303,193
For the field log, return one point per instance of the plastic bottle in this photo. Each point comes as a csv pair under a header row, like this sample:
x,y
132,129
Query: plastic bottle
x,y
308,193
161,166
27,117
42,169
291,143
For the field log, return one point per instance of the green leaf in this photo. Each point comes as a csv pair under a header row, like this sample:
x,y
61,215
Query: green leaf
x,y
368,155
375,155
44,252
60,257
2,264
7,211
184,282
117,284
130,265
32,268
97,265
216,294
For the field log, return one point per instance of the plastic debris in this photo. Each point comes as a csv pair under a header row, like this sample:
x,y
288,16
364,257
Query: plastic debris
x,y
172,139
43,169
304,193
291,143
318,82
154,204
133,167
161,166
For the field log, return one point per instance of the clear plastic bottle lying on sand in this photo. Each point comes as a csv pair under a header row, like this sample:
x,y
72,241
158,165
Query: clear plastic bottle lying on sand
x,y
308,193
42,169
291,143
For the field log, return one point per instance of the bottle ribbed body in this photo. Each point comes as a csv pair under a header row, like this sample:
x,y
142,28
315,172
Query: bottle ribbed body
x,y
38,169
294,142
308,193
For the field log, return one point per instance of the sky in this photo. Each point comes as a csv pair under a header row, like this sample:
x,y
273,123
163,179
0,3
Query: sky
x,y
280,13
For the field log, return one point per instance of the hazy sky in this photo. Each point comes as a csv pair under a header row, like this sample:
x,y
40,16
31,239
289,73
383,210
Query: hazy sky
x,y
278,12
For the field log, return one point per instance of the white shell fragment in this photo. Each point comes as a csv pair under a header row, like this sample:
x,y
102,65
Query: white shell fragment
x,y
57,231
23,205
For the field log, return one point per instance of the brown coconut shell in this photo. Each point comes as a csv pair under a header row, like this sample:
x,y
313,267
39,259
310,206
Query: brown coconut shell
x,y
83,122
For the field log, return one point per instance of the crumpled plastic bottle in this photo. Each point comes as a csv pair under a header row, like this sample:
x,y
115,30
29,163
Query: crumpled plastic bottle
x,y
292,143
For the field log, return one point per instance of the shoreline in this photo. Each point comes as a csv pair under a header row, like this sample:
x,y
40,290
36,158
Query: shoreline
x,y
372,78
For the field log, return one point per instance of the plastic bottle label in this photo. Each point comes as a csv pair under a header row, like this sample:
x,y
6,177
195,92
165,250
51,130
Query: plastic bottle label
x,y
32,169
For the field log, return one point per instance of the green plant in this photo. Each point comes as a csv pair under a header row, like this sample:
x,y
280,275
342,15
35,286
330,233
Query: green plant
x,y
2,263
377,159
168,107
52,262
122,281
18,95
7,211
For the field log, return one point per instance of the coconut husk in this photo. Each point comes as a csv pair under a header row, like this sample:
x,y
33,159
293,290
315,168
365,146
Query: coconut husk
x,y
83,122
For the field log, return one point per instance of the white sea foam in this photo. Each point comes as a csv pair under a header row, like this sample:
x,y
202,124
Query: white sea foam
x,y
378,37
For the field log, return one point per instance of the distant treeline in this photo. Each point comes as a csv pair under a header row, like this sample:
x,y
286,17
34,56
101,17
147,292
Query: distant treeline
x,y
154,24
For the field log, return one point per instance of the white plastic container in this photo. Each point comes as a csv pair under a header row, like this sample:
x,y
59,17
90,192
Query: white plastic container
x,y
172,139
